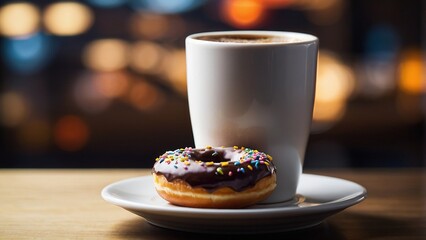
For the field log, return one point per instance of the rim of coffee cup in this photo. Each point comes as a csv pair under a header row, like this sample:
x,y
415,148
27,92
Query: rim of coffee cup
x,y
301,38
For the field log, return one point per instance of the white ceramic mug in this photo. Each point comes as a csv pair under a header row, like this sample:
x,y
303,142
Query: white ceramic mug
x,y
254,94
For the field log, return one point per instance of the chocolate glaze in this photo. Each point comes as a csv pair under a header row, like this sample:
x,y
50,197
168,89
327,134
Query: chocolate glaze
x,y
198,172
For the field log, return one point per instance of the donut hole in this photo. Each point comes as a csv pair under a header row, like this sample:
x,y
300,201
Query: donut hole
x,y
211,155
217,155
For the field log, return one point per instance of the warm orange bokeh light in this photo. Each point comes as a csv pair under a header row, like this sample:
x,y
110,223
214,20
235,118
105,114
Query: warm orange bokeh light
x,y
328,111
111,84
335,81
146,57
71,133
106,55
19,19
335,84
175,70
411,72
149,25
144,96
243,13
67,18
14,109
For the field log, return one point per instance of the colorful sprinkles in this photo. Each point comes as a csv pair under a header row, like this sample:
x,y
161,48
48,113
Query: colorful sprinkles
x,y
250,160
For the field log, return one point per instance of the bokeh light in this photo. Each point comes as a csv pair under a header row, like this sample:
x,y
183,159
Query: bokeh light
x,y
175,70
111,84
327,113
335,81
382,42
34,135
106,55
152,26
147,57
27,55
243,13
145,96
376,77
107,3
335,84
87,94
149,25
13,109
377,74
167,6
411,72
71,133
67,18
19,19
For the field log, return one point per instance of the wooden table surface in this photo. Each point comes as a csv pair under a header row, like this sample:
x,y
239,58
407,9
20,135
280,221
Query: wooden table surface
x,y
66,204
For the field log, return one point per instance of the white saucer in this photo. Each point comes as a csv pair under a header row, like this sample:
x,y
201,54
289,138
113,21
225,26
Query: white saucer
x,y
318,198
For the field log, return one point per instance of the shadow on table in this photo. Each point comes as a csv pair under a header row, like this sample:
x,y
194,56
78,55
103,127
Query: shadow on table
x,y
141,229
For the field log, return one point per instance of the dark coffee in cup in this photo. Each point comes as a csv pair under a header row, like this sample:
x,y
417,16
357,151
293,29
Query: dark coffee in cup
x,y
247,38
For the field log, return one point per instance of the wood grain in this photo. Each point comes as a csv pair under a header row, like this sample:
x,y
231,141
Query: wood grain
x,y
66,204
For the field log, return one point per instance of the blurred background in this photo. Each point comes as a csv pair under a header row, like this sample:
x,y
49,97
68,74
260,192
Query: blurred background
x,y
101,83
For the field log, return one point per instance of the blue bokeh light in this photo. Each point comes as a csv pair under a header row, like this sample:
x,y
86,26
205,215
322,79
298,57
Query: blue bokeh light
x,y
27,55
166,6
107,3
382,42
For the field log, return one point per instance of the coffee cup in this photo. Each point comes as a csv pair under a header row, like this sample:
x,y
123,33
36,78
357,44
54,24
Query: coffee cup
x,y
254,89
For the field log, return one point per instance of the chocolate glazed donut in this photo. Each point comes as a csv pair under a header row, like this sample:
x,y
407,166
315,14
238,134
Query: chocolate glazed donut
x,y
214,177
